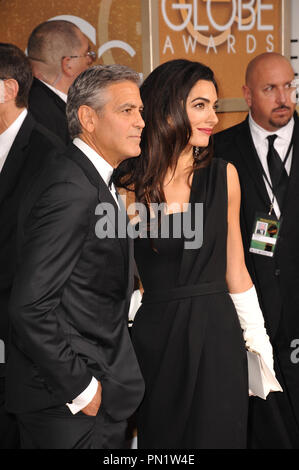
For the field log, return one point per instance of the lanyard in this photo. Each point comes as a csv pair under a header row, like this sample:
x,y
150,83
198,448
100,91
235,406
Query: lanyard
x,y
274,189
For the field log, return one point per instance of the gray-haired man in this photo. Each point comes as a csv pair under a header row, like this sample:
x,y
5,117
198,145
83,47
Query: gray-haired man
x,y
73,377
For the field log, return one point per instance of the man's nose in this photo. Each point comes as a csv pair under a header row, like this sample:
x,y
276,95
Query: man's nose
x,y
89,60
281,96
91,57
139,121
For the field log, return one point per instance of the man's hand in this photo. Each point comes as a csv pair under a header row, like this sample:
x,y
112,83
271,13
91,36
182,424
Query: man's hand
x,y
93,407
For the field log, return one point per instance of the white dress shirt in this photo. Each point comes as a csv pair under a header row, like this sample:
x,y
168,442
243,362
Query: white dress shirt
x,y
105,170
8,136
61,95
281,144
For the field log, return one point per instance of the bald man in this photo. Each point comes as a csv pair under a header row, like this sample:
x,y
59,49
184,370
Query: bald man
x,y
58,52
265,150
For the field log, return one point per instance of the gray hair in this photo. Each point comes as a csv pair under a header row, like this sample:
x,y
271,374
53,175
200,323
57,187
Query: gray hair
x,y
89,89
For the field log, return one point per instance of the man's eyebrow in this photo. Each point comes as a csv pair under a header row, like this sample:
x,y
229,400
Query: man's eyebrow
x,y
129,105
275,84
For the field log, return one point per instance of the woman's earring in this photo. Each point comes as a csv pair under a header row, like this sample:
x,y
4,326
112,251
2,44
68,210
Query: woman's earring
x,y
196,152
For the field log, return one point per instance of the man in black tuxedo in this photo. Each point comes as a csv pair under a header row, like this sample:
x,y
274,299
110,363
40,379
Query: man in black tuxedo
x,y
268,168
58,53
73,378
25,146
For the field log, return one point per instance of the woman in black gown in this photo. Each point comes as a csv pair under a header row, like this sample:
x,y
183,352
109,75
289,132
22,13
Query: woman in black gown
x,y
187,334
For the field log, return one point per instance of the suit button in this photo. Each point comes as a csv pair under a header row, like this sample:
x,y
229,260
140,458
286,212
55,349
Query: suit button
x,y
277,272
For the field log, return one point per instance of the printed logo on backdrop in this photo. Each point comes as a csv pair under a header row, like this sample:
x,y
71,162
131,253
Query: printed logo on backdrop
x,y
199,23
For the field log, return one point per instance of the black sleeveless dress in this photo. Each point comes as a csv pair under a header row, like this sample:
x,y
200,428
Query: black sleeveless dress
x,y
187,335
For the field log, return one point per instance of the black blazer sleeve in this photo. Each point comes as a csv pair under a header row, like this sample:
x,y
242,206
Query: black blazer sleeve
x,y
54,233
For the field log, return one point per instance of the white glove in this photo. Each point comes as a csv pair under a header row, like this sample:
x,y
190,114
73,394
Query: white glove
x,y
134,304
253,325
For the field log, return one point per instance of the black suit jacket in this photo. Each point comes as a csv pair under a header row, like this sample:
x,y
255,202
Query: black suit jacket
x,y
276,279
70,300
48,109
30,151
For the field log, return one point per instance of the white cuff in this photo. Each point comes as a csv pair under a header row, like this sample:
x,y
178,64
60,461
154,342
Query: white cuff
x,y
135,304
84,398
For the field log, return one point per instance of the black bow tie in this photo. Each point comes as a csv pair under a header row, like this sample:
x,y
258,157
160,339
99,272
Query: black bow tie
x,y
111,180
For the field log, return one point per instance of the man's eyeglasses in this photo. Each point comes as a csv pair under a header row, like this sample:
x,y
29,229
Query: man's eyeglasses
x,y
90,54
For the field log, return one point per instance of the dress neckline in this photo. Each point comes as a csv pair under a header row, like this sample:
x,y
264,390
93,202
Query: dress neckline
x,y
191,195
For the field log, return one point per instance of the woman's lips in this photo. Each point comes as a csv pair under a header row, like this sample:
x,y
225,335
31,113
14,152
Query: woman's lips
x,y
206,131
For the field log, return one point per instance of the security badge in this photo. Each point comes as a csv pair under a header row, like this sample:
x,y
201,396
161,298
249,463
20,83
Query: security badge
x,y
265,234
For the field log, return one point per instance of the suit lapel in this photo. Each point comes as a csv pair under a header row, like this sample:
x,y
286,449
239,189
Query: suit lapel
x,y
130,252
16,158
293,188
251,161
75,154
104,195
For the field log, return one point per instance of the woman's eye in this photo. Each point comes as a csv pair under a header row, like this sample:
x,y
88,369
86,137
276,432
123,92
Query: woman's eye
x,y
200,105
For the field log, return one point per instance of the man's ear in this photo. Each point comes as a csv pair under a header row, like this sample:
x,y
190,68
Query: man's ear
x,y
247,95
11,89
66,66
86,116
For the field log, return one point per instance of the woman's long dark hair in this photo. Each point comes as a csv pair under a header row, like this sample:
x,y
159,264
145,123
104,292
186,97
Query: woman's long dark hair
x,y
167,129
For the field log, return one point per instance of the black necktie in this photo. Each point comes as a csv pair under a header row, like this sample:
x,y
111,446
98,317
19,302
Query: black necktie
x,y
278,174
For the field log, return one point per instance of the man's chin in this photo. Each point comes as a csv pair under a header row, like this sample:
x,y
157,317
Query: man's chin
x,y
279,122
135,153
130,155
